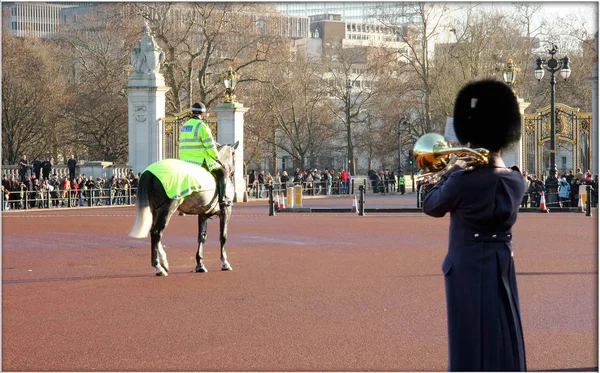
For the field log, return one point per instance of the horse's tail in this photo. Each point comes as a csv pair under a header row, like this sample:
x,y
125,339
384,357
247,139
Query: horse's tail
x,y
143,215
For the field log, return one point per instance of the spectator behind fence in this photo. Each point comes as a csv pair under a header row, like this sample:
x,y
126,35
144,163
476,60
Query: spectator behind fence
x,y
328,181
6,191
261,183
37,166
24,167
563,191
269,179
134,184
251,183
344,177
46,168
402,182
75,192
71,164
284,181
298,176
15,190
527,182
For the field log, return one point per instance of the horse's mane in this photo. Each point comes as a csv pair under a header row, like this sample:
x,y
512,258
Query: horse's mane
x,y
226,152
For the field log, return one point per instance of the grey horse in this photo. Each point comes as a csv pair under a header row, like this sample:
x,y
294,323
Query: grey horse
x,y
154,210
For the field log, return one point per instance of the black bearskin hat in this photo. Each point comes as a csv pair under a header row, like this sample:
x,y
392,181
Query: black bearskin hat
x,y
486,114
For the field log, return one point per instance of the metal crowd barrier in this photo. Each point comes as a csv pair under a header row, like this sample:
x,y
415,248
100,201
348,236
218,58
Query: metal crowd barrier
x,y
23,200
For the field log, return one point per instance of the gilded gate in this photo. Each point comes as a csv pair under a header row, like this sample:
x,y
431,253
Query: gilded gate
x,y
171,126
573,140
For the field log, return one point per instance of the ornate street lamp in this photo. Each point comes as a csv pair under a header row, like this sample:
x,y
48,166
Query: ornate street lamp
x,y
230,79
509,73
553,66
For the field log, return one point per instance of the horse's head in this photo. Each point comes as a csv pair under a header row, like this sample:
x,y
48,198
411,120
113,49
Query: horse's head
x,y
226,156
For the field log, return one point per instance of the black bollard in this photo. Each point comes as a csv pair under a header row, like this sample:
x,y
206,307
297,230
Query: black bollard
x,y
271,203
361,201
588,202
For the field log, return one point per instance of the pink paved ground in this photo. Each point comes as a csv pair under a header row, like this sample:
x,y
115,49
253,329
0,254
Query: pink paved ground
x,y
308,292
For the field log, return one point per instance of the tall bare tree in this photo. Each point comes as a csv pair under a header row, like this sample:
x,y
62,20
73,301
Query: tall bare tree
x,y
291,112
202,40
32,98
98,57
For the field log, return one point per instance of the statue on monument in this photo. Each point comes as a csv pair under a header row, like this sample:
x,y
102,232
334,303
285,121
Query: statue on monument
x,y
147,56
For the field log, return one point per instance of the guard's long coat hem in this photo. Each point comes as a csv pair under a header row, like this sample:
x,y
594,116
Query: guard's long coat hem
x,y
484,323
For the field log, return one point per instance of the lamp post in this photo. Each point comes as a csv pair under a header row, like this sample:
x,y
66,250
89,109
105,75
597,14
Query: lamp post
x,y
351,169
399,158
402,123
230,79
552,65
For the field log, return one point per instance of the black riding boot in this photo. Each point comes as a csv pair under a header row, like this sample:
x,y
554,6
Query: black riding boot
x,y
221,183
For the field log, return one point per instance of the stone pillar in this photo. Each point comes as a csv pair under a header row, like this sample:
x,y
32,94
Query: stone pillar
x,y
146,96
514,154
230,128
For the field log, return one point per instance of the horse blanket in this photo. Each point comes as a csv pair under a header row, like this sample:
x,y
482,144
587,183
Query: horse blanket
x,y
180,178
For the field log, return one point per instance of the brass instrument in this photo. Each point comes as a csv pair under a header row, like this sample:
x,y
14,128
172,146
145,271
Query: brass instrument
x,y
434,156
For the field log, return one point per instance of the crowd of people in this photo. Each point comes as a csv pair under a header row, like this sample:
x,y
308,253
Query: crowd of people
x,y
314,181
37,188
326,181
568,188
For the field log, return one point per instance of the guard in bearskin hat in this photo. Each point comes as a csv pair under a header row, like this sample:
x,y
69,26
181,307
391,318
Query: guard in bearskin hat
x,y
484,322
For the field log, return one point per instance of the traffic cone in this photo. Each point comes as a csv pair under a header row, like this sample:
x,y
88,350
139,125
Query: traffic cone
x,y
354,205
276,202
282,202
543,204
580,205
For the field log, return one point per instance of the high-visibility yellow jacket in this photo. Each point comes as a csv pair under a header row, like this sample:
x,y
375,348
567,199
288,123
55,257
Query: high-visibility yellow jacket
x,y
196,144
401,180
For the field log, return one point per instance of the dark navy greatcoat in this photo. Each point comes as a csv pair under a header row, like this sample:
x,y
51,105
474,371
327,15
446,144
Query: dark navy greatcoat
x,y
484,322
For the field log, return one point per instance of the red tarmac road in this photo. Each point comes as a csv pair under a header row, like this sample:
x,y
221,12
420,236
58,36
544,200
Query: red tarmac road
x,y
308,292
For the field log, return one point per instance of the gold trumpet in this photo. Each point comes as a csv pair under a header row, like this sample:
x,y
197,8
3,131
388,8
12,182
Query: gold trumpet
x,y
434,156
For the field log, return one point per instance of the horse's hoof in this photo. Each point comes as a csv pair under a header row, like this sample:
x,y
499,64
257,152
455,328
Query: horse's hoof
x,y
226,267
160,272
201,269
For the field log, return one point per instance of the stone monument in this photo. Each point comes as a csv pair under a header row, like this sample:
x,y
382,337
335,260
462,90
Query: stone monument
x,y
146,92
230,128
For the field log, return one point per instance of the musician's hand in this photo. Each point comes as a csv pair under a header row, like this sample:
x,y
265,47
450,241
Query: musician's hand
x,y
461,163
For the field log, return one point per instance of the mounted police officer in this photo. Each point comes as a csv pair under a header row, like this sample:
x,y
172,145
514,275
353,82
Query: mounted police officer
x,y
196,145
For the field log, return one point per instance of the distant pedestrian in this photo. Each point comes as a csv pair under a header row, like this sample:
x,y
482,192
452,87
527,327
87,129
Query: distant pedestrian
x,y
401,182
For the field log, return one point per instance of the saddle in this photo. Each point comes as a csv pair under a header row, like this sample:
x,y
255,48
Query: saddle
x,y
180,178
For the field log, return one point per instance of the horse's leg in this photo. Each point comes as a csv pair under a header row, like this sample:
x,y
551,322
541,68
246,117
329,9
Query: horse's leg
x,y
160,220
202,223
224,220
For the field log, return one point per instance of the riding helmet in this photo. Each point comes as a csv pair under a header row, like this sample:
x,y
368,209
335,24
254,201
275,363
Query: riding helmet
x,y
198,107
487,115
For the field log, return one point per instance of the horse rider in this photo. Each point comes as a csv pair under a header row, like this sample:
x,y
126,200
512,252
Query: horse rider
x,y
197,145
